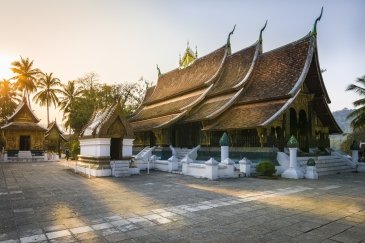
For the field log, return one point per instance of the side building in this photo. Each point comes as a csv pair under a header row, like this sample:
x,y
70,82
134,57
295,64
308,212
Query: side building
x,y
259,98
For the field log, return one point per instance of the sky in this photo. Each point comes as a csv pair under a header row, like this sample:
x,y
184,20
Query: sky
x,y
123,41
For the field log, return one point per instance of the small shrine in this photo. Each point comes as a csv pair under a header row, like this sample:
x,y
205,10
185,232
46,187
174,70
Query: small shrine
x,y
24,137
106,138
54,138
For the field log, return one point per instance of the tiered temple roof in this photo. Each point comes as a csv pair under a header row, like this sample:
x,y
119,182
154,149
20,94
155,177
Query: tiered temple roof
x,y
52,130
23,118
106,122
242,90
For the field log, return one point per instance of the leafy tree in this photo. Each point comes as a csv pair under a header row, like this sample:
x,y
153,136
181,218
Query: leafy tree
x,y
357,135
69,93
80,113
25,75
358,114
9,99
48,93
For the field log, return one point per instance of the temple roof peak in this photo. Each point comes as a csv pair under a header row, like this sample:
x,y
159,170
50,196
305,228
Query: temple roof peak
x,y
314,30
189,56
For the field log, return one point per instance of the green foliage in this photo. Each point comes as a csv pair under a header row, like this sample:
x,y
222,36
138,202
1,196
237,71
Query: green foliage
x,y
75,148
311,162
80,113
358,115
48,91
265,168
357,135
8,100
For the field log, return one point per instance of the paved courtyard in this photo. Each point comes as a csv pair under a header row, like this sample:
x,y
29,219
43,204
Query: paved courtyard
x,y
47,202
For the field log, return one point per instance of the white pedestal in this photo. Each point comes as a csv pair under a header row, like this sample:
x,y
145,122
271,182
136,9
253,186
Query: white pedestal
x,y
311,173
211,169
293,172
245,166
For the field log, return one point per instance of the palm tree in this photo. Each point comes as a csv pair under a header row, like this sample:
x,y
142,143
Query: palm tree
x,y
47,95
358,114
69,93
25,75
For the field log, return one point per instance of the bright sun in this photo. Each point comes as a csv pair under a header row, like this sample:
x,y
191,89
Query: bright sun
x,y
5,64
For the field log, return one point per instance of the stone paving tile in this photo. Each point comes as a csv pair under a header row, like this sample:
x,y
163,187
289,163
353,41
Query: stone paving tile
x,y
164,207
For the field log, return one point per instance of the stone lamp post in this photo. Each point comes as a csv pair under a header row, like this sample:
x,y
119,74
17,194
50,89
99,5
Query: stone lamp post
x,y
293,172
224,143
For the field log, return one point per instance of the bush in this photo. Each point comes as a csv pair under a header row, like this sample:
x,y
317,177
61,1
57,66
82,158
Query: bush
x,y
311,162
265,168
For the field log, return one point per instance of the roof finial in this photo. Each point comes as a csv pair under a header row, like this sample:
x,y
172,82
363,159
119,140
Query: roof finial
x,y
196,52
314,30
158,71
187,45
229,36
262,30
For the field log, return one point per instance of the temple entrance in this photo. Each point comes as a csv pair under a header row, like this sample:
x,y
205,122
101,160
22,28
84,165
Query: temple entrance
x,y
24,143
116,149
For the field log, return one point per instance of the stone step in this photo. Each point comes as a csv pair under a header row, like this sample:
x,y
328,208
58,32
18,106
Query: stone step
x,y
331,172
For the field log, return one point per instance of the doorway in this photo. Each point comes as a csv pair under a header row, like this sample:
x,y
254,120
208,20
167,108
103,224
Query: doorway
x,y
24,143
116,149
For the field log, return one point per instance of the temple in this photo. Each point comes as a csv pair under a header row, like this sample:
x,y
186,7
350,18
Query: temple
x,y
259,98
22,132
54,138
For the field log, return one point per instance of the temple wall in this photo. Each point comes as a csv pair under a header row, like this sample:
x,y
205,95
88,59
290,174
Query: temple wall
x,y
13,139
96,147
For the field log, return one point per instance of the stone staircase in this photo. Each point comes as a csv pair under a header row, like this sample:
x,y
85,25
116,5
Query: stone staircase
x,y
327,165
120,168
182,152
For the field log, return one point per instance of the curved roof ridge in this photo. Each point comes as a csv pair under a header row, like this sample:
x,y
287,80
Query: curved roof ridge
x,y
328,100
307,64
225,106
281,110
254,60
23,103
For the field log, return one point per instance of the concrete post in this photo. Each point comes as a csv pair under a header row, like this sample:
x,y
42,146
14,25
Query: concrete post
x,y
293,172
245,166
355,156
211,169
185,165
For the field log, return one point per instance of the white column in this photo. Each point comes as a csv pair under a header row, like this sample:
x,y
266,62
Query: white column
x,y
355,156
224,153
127,147
293,172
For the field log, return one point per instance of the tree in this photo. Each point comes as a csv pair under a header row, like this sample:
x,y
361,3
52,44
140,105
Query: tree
x,y
358,114
48,94
69,93
9,99
25,75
